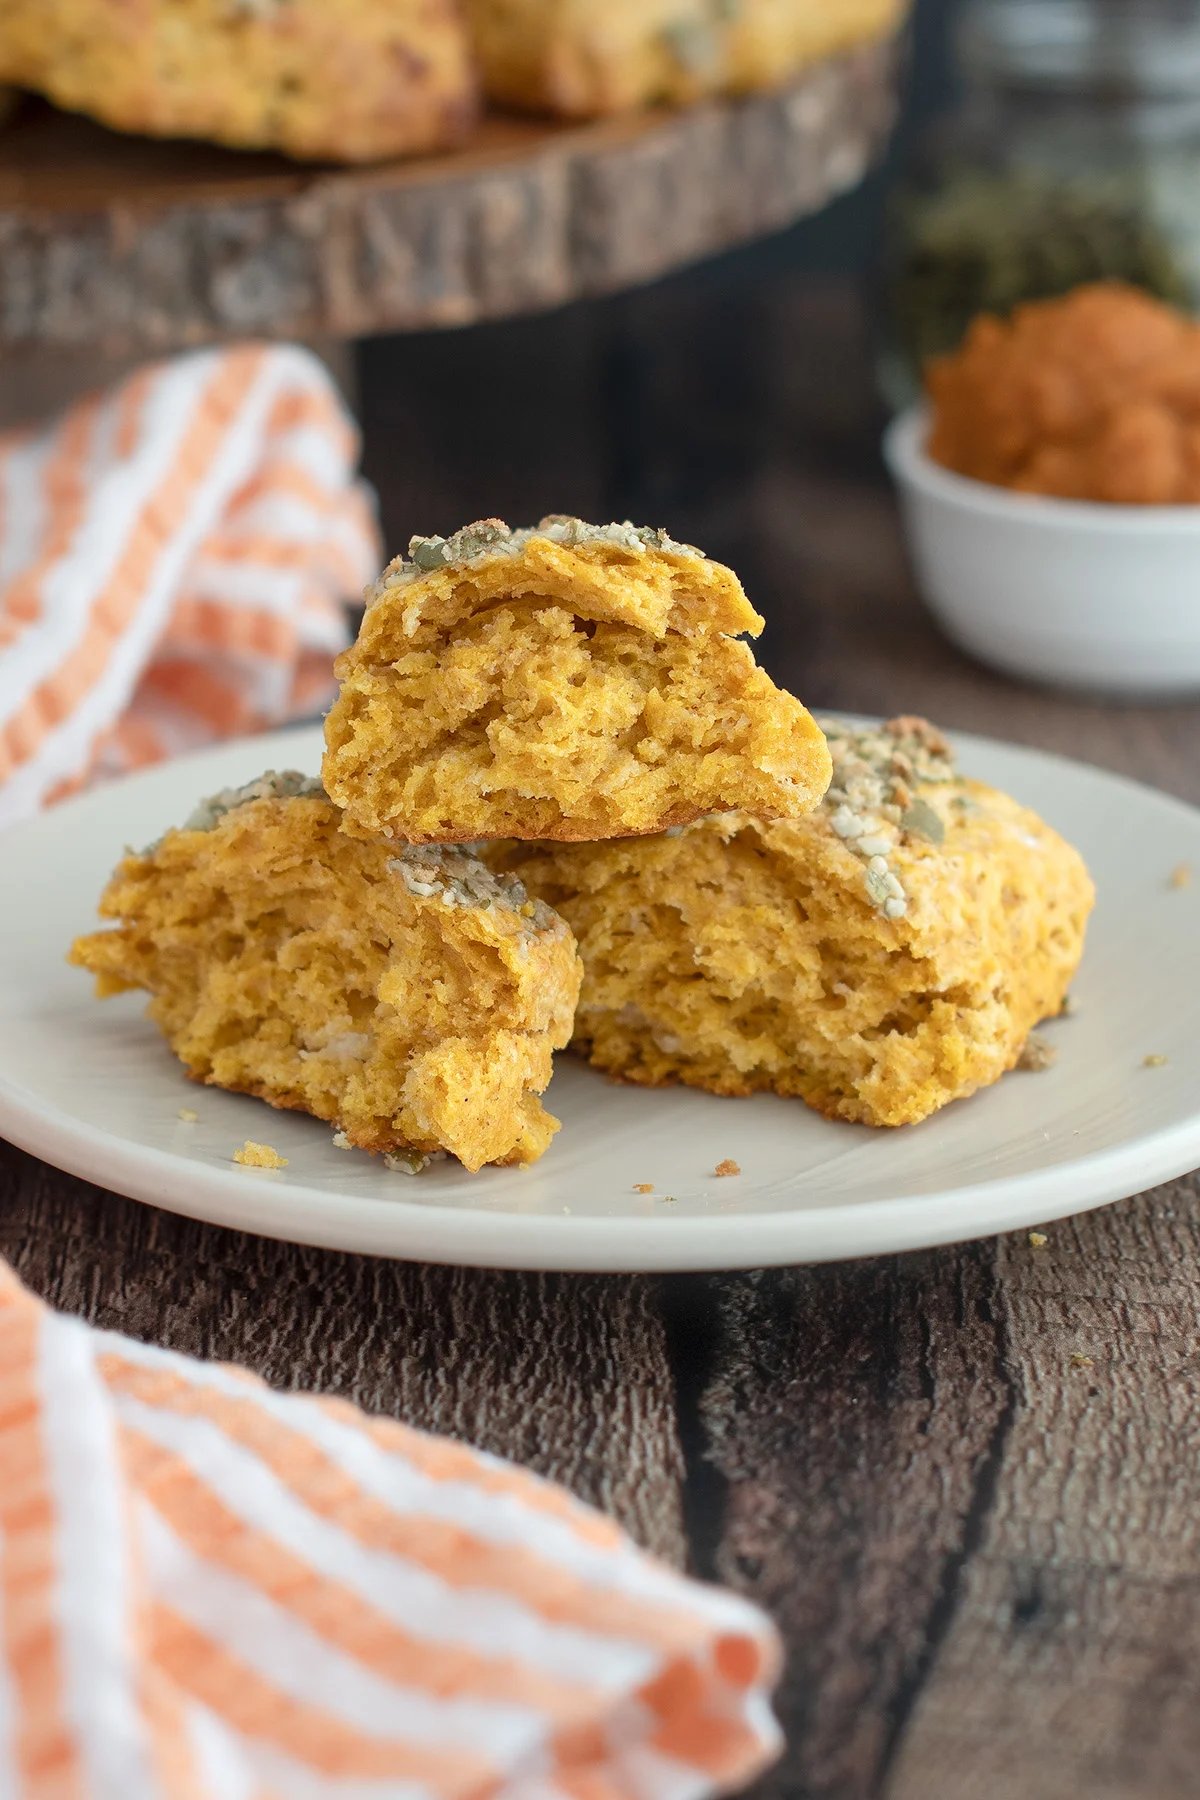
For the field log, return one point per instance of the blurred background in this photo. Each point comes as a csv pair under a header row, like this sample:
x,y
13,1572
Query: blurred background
x,y
740,402
721,402
1040,143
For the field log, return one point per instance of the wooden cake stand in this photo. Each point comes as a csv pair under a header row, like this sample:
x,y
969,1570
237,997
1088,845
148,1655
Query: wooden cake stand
x,y
118,246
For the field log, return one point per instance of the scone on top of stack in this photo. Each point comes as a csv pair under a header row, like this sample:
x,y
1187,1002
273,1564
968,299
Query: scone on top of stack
x,y
351,82
566,681
885,955
584,58
407,996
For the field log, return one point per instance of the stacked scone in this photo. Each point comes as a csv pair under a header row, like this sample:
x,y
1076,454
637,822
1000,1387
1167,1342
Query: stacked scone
x,y
407,996
887,953
562,802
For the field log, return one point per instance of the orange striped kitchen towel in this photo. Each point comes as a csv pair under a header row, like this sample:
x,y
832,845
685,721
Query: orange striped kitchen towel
x,y
212,1591
172,557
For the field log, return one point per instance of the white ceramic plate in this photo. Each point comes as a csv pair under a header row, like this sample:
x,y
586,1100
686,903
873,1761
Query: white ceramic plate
x,y
93,1089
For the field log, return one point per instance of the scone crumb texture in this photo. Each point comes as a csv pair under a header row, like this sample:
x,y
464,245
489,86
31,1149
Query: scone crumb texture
x,y
740,955
566,681
1037,1055
412,1001
727,1166
188,1114
259,1156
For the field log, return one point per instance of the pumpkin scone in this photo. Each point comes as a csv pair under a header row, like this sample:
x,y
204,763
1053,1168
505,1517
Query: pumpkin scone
x,y
584,58
567,681
349,82
407,996
886,955
770,41
581,58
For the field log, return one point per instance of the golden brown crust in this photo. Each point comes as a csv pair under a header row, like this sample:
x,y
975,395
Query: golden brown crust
x,y
771,41
562,691
353,82
603,58
740,956
653,589
406,1000
607,56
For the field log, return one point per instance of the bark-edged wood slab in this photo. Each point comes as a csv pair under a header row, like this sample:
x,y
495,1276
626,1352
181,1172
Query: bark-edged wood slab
x,y
120,245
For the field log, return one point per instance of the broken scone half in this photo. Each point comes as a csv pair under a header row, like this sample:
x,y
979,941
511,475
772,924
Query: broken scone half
x,y
407,996
880,958
569,682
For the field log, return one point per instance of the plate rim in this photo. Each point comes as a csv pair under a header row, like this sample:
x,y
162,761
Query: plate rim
x,y
250,1200
473,1237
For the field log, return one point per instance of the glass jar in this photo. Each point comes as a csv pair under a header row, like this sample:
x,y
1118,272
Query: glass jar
x,y
1075,155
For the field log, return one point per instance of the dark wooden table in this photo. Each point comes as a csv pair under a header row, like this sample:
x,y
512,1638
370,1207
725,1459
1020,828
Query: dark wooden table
x,y
984,1554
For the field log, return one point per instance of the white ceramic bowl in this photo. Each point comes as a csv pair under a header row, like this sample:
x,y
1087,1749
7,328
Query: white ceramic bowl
x,y
1072,592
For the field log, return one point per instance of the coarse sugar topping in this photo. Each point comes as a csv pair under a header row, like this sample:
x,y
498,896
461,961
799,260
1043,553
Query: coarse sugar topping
x,y
274,785
287,785
873,799
453,874
488,539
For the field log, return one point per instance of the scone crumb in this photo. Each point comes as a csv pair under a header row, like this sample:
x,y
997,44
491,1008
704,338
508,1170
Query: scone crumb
x,y
1080,1361
188,1114
1154,1062
1037,1055
669,1199
404,1162
1069,1008
1181,876
341,1141
259,1156
727,1167
414,1162
1038,1240
643,1187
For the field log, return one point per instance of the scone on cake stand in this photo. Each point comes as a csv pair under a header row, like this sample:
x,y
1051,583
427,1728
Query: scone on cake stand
x,y
135,246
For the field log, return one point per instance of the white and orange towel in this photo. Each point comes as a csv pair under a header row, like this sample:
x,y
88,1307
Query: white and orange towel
x,y
212,1591
173,554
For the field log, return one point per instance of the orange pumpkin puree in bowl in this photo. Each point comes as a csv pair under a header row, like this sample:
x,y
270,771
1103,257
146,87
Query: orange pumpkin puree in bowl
x,y
1093,396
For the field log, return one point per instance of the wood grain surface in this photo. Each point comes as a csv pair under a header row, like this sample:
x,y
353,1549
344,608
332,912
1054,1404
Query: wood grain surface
x,y
1071,1664
569,1376
966,1482
125,245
